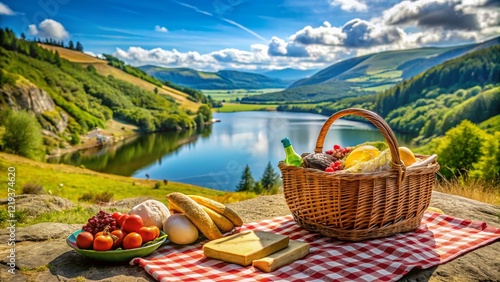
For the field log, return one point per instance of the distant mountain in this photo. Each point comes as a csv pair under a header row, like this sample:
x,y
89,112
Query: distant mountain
x,y
380,71
224,79
434,101
290,74
367,74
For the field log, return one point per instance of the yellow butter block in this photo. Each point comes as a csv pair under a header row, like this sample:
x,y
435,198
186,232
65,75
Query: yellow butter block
x,y
243,248
293,252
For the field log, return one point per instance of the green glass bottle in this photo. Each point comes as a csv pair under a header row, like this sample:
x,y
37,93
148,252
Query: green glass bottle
x,y
292,158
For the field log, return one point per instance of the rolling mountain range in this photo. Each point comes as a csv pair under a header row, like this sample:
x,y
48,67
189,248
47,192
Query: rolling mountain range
x,y
434,101
367,74
224,79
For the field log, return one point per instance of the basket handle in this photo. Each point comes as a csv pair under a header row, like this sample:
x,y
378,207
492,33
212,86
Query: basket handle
x,y
381,125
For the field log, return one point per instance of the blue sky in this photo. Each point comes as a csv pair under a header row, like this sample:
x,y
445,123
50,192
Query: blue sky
x,y
251,34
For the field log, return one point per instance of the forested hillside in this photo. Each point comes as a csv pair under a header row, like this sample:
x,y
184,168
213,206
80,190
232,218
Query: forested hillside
x,y
436,100
367,74
70,99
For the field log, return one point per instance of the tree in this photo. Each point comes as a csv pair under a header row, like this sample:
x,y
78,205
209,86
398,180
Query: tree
x,y
23,36
460,149
206,112
79,46
200,122
23,135
257,188
156,90
488,166
71,45
246,183
269,178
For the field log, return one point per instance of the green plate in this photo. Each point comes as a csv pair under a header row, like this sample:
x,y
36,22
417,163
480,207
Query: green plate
x,y
116,255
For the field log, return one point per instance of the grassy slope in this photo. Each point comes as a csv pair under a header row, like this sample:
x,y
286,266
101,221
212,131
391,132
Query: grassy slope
x,y
79,181
104,69
235,107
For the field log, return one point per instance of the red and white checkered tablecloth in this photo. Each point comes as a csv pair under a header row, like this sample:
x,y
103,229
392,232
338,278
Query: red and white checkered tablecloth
x,y
439,239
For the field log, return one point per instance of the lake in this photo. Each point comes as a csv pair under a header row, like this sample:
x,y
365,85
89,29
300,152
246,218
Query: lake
x,y
216,156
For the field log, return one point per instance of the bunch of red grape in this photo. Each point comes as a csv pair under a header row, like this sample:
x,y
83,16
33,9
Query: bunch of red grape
x,y
336,165
338,152
99,222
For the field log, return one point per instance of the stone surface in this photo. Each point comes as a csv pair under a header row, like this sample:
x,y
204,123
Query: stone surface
x,y
64,264
41,232
34,205
28,97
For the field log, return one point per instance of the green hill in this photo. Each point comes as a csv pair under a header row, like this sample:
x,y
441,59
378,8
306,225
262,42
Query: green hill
x,y
70,99
367,74
224,79
436,100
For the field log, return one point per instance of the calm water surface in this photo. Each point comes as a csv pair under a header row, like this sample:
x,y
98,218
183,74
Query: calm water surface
x,y
216,157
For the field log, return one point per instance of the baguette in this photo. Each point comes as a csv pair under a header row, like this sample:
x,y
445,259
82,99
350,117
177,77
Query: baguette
x,y
196,214
219,208
220,221
173,208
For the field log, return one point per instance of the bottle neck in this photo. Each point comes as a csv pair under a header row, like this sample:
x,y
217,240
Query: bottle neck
x,y
289,150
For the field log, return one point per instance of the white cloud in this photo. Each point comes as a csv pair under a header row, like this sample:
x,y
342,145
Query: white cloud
x,y
407,24
99,56
325,35
350,5
161,29
442,14
5,10
355,33
48,29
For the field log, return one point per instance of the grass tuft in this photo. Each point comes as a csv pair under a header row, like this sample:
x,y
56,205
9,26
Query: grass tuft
x,y
32,188
479,190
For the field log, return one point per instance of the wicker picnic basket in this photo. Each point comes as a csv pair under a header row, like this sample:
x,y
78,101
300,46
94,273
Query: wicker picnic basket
x,y
359,206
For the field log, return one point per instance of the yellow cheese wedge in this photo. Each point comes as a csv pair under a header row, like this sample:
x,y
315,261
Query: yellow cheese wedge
x,y
293,252
243,248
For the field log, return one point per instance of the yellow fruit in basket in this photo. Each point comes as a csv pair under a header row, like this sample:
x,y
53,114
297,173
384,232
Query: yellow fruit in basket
x,y
406,156
361,154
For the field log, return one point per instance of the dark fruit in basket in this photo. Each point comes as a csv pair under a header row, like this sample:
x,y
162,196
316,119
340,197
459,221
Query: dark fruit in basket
x,y
318,161
100,222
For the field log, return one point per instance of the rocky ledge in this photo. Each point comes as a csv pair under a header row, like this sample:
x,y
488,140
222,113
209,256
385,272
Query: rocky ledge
x,y
41,248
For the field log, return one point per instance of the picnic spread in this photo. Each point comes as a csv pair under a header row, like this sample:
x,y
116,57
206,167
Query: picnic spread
x,y
438,239
358,213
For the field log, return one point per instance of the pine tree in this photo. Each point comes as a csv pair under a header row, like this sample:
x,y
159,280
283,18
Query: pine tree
x,y
70,45
246,183
269,178
79,46
257,188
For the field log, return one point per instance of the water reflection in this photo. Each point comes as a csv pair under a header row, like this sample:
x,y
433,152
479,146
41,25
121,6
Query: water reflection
x,y
215,157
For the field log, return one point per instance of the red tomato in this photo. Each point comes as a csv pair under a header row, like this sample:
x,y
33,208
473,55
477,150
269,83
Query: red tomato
x,y
148,233
132,223
117,215
121,219
120,234
84,240
103,242
157,230
132,240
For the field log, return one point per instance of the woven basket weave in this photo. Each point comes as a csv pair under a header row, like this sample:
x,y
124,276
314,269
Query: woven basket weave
x,y
359,206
